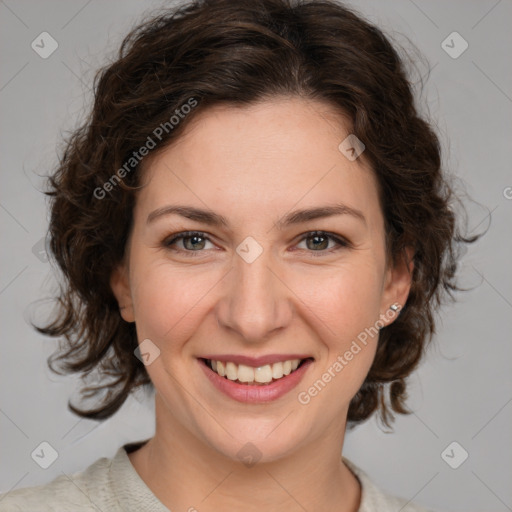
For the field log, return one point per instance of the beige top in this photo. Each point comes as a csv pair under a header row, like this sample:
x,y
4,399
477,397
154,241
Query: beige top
x,y
114,485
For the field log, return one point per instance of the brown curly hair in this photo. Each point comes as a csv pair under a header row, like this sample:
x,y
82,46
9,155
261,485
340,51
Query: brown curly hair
x,y
219,51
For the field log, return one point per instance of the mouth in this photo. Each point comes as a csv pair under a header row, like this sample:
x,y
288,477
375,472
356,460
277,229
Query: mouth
x,y
263,375
255,380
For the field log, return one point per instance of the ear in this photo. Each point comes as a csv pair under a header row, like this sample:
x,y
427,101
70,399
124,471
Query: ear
x,y
397,285
120,284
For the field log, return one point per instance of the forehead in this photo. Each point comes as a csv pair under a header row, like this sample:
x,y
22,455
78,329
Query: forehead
x,y
261,159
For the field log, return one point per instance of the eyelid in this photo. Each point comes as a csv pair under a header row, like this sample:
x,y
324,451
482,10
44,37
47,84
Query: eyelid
x,y
341,241
338,239
185,234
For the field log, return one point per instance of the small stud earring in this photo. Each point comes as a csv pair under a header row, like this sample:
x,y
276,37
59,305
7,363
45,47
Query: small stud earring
x,y
395,307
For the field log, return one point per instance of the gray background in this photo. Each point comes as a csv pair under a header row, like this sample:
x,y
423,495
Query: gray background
x,y
463,390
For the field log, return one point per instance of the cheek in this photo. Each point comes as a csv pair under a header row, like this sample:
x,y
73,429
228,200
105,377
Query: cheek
x,y
341,300
168,302
345,306
346,299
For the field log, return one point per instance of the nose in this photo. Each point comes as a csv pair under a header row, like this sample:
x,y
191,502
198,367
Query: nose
x,y
256,302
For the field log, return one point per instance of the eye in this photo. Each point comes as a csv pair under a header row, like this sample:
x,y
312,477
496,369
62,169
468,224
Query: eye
x,y
193,242
320,242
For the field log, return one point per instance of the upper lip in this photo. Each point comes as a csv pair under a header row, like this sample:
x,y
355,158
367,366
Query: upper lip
x,y
255,361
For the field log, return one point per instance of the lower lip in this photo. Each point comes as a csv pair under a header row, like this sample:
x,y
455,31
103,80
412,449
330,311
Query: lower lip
x,y
248,393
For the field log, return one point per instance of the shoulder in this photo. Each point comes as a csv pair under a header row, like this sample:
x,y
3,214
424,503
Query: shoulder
x,y
373,499
107,484
83,491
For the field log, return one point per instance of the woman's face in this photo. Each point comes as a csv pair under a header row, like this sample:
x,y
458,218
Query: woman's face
x,y
255,287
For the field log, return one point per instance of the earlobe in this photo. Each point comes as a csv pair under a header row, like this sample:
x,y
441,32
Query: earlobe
x,y
120,285
398,286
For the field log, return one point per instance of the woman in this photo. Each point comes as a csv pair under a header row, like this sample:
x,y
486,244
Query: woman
x,y
255,222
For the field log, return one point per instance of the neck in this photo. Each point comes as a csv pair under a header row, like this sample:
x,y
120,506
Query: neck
x,y
186,474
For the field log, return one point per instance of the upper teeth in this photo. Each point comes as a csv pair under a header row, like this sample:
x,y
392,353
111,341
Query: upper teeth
x,y
262,374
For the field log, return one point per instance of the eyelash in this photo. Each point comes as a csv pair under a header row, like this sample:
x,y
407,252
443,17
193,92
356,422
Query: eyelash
x,y
190,234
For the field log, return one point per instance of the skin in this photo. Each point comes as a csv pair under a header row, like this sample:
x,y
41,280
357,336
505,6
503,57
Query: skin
x,y
253,165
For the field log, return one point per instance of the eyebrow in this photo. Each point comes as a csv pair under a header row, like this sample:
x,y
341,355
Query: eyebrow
x,y
295,217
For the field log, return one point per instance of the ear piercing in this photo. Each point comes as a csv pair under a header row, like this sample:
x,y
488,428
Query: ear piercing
x,y
395,307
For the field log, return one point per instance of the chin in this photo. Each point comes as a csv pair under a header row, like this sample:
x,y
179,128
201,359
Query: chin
x,y
253,438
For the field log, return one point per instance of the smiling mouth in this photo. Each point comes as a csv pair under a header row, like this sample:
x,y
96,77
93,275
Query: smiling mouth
x,y
260,376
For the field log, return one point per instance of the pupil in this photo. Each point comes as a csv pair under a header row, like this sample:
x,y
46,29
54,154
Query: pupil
x,y
194,239
316,238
